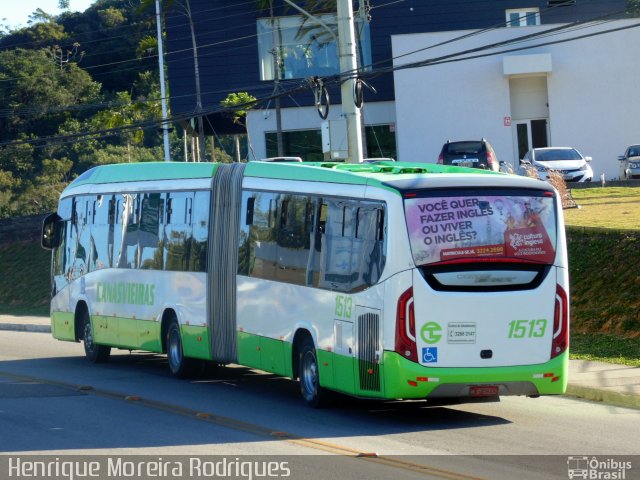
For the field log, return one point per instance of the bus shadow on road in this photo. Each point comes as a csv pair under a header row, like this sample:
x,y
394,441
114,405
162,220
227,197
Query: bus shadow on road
x,y
64,403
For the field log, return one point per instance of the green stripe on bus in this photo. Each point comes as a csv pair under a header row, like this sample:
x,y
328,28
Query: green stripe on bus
x,y
195,342
398,372
375,175
265,353
63,326
134,334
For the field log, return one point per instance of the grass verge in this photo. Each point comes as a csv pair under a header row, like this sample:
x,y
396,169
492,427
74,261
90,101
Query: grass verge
x,y
605,348
604,269
609,207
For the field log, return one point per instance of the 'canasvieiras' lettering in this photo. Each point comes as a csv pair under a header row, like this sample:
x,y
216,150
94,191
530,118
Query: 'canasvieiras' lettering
x,y
122,292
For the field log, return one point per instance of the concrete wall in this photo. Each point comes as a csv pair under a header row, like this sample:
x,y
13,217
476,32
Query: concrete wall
x,y
594,97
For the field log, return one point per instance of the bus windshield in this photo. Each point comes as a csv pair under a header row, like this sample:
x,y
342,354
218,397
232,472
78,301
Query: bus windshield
x,y
474,225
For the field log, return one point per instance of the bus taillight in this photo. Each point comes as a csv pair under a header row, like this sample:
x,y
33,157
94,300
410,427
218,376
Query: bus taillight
x,y
560,340
406,327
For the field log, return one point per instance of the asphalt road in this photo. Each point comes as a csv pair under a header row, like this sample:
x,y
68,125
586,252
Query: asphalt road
x,y
53,401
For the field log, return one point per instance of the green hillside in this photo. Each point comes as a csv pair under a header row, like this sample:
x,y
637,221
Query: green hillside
x,y
604,271
24,283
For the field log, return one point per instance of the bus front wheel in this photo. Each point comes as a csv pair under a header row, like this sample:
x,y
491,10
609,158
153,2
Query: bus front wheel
x,y
94,353
313,394
179,365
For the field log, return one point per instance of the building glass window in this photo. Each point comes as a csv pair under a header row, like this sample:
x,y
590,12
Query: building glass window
x,y
307,144
304,49
523,17
381,141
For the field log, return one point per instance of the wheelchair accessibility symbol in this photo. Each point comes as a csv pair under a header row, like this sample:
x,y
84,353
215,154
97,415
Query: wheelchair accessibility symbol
x,y
430,355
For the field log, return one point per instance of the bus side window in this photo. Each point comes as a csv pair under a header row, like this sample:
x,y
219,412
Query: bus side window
x,y
74,212
318,220
131,226
352,255
112,211
178,231
249,211
115,232
148,235
83,248
369,246
292,250
200,228
337,245
258,245
100,232
61,255
244,242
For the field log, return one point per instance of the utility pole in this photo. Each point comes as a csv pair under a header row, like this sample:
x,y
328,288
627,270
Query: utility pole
x,y
346,42
276,79
349,63
165,128
201,157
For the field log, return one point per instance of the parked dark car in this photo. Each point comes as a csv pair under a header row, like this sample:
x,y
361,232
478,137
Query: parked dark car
x,y
469,153
630,163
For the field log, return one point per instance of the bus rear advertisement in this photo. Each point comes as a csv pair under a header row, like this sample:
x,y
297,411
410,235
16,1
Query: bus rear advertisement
x,y
389,280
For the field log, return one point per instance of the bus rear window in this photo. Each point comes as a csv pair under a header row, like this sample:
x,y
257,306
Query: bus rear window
x,y
472,226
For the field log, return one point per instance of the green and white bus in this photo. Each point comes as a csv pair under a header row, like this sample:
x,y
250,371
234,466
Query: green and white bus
x,y
389,280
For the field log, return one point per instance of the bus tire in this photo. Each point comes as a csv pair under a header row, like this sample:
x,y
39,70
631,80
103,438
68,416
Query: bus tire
x,y
308,372
94,353
179,365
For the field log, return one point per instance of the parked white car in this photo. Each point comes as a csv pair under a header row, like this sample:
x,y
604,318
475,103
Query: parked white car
x,y
568,161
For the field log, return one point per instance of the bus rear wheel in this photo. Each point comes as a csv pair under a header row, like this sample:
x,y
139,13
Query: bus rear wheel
x,y
179,365
312,393
94,353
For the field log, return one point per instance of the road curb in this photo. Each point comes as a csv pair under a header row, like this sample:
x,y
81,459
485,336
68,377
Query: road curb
x,y
605,396
25,327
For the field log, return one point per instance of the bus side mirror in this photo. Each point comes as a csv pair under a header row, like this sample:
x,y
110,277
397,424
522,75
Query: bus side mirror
x,y
51,232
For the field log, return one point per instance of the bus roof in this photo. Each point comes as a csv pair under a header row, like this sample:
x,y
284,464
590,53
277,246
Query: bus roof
x,y
384,174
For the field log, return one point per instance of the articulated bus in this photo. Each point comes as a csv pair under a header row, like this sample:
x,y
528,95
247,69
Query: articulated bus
x,y
389,280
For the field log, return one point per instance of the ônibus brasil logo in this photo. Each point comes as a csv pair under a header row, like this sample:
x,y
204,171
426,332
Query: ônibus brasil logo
x,y
431,333
596,468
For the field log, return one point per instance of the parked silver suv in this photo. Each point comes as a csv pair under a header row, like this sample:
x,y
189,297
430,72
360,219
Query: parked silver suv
x,y
630,163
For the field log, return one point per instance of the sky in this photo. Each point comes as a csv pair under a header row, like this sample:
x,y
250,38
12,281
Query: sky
x,y
15,13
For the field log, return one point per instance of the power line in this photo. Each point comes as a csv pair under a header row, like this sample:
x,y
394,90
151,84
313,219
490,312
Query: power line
x,y
363,72
458,56
107,29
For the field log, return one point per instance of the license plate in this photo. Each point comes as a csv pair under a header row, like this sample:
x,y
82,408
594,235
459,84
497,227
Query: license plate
x,y
484,391
461,333
464,162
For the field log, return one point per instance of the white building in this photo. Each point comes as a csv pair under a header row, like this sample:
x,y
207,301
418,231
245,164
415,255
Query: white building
x,y
583,93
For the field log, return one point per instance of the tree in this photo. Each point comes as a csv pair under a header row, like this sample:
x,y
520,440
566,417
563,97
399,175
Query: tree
x,y
239,104
124,114
44,92
184,8
39,93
